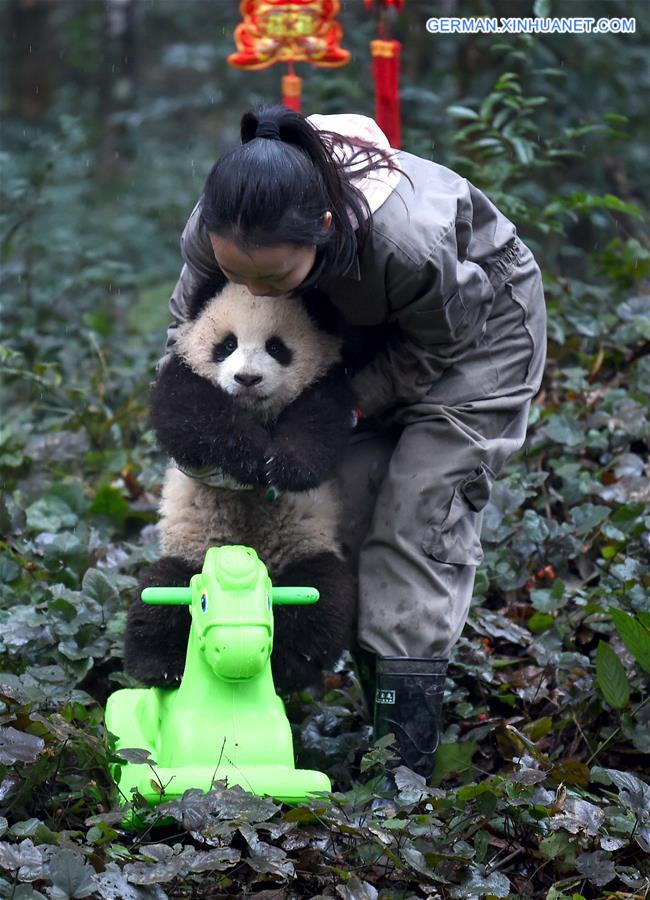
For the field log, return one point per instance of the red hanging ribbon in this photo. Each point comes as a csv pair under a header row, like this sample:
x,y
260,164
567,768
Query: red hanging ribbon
x,y
385,70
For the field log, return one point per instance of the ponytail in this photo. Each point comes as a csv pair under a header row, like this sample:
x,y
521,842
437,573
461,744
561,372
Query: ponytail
x,y
277,186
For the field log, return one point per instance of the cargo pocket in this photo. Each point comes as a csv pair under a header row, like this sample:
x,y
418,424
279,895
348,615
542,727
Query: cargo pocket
x,y
457,538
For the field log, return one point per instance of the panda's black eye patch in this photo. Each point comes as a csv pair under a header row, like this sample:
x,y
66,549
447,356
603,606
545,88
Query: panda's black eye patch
x,y
224,348
276,348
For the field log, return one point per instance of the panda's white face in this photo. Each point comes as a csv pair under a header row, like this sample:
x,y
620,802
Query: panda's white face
x,y
262,350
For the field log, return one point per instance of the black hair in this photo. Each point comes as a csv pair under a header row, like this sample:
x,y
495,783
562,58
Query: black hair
x,y
276,189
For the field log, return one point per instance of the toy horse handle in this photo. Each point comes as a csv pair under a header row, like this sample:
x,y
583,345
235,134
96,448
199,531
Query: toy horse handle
x,y
182,596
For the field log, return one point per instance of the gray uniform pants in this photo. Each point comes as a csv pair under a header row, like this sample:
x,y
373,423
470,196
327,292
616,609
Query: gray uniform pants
x,y
414,488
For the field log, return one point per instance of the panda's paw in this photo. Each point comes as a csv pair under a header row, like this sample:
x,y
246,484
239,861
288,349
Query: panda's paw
x,y
286,473
151,669
238,455
247,473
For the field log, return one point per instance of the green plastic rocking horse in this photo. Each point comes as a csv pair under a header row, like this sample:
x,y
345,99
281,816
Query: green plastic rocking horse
x,y
225,720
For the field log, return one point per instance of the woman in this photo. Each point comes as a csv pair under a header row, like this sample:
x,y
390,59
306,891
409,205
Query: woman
x,y
445,310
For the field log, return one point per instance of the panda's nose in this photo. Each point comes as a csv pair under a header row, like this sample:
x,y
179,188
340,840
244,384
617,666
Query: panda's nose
x,y
247,380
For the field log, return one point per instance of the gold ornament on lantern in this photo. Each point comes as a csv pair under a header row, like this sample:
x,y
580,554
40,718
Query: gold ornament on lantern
x,y
288,31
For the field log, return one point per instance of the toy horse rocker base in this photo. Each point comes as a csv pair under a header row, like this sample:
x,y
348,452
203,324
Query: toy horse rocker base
x,y
225,720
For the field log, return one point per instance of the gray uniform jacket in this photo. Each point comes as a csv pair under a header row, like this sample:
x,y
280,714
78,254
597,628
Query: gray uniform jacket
x,y
427,271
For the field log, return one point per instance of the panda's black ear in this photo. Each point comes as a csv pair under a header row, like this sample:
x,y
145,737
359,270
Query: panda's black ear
x,y
203,291
321,310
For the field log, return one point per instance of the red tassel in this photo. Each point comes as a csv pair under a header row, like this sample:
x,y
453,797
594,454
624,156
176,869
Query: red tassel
x,y
291,91
385,70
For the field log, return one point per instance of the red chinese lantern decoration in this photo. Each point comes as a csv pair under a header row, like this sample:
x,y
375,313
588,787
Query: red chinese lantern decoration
x,y
288,31
385,54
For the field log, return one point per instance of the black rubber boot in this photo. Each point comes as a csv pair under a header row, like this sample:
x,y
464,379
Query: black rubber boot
x,y
408,702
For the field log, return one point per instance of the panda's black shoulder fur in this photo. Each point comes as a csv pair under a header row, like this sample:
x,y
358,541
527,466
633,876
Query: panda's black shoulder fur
x,y
321,310
203,291
360,343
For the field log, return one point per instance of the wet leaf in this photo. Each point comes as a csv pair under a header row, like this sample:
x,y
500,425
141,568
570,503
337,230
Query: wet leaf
x,y
564,429
611,677
153,873
597,867
72,877
195,808
221,859
635,307
635,637
112,817
264,858
612,843
528,771
24,859
452,759
412,787
588,516
113,885
136,755
481,884
35,829
416,861
50,514
380,754
18,746
496,625
539,622
111,503
634,793
535,526
356,889
579,815
642,837
98,587
558,845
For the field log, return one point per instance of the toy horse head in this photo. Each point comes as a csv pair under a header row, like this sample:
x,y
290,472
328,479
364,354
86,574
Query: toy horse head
x,y
231,605
231,613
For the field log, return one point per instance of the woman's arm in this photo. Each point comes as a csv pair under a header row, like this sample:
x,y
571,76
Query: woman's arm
x,y
440,309
199,267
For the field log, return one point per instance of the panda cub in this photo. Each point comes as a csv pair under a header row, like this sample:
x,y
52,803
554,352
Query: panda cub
x,y
254,394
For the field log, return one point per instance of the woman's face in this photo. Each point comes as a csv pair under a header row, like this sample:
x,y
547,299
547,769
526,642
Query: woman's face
x,y
266,271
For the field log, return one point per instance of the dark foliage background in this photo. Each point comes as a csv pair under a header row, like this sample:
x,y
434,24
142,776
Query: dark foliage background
x,y
112,115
